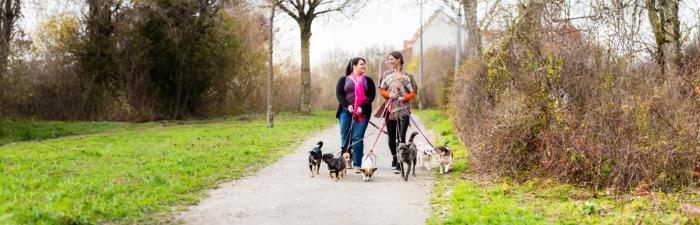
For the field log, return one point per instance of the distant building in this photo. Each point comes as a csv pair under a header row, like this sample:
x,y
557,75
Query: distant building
x,y
440,31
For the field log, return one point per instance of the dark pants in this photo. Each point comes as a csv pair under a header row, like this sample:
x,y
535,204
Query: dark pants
x,y
396,128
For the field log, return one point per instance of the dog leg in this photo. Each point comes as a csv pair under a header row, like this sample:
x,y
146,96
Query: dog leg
x,y
414,169
408,170
420,159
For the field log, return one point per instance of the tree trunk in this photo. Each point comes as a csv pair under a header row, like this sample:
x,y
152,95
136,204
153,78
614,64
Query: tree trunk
x,y
305,106
458,45
663,17
528,28
473,45
10,13
270,74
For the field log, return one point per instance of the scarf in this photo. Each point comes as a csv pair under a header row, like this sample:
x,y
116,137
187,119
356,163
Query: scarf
x,y
359,94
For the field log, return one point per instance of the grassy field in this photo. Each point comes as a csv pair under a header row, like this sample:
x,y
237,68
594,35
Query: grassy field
x,y
462,197
125,173
27,130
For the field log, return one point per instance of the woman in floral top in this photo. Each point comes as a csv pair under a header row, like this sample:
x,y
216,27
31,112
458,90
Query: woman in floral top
x,y
397,85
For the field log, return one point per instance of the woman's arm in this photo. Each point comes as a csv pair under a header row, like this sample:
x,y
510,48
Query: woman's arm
x,y
408,96
340,91
384,93
372,92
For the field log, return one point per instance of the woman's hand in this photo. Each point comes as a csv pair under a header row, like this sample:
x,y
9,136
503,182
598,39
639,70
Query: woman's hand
x,y
350,108
359,109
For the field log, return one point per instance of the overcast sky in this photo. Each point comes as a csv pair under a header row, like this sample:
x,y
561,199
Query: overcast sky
x,y
387,22
380,22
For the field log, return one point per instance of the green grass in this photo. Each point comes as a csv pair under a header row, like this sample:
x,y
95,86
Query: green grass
x,y
139,175
27,130
462,197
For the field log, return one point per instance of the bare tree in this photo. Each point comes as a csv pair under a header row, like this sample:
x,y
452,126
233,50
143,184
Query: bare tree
x,y
8,17
304,12
530,22
663,16
473,45
270,75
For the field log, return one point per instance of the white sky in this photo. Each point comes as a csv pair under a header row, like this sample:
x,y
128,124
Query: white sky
x,y
380,22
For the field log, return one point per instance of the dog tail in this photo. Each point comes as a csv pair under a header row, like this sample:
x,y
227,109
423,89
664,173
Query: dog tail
x,y
320,144
412,136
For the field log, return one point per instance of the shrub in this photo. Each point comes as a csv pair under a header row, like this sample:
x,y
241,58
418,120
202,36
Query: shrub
x,y
576,112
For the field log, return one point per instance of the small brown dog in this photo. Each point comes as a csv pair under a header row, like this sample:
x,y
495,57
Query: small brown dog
x,y
369,166
348,160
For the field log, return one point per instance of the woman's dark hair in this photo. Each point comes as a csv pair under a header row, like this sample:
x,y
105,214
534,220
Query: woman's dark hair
x,y
397,55
353,62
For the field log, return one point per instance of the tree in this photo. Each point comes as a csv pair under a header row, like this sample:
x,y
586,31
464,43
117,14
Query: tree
x,y
270,75
97,61
473,45
663,16
530,23
9,14
304,12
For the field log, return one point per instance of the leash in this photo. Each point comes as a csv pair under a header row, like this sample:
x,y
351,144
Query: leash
x,y
387,107
349,133
375,126
420,131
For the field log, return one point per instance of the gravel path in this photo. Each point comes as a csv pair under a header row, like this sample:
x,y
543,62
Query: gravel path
x,y
284,192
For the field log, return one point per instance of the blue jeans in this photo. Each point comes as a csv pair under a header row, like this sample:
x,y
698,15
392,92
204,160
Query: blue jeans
x,y
357,132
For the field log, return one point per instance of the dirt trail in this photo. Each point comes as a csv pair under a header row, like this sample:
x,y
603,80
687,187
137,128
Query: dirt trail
x,y
284,192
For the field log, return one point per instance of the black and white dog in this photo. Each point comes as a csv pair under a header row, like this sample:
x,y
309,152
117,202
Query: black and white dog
x,y
446,157
336,166
315,158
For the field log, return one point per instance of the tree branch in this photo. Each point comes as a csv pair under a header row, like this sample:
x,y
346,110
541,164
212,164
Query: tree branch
x,y
336,9
284,8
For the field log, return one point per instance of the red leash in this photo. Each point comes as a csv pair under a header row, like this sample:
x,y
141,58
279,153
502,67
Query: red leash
x,y
386,108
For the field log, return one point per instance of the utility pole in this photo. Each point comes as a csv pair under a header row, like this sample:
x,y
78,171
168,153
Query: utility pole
x,y
270,76
420,84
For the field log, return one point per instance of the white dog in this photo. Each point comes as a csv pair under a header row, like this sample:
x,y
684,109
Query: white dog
x,y
369,166
426,153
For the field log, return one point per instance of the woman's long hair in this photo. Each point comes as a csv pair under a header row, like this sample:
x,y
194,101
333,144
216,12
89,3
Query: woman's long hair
x,y
353,62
